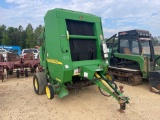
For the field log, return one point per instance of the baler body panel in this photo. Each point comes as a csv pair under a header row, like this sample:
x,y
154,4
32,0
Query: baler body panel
x,y
62,59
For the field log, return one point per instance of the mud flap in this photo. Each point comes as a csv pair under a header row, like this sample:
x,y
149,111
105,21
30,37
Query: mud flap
x,y
154,79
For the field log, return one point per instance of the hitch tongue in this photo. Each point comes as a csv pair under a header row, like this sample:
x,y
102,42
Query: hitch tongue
x,y
122,106
104,83
122,101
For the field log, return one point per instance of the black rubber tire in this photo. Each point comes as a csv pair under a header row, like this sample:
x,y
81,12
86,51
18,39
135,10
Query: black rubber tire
x,y
26,73
41,80
50,92
17,73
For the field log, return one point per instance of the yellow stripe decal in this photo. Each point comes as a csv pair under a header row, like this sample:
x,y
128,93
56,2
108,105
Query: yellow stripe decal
x,y
58,80
54,61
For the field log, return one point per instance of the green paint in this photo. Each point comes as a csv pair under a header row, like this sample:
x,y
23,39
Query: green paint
x,y
55,53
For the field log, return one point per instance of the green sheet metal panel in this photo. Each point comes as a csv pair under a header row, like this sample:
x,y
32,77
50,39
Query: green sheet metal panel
x,y
58,54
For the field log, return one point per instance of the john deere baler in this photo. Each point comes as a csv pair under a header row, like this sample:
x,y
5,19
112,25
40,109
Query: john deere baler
x,y
73,55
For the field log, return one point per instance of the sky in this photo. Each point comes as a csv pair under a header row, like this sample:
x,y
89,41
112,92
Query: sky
x,y
116,15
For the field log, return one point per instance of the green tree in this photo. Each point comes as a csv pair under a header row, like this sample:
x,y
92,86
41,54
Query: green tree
x,y
30,36
38,31
155,41
2,30
27,38
22,37
5,39
10,33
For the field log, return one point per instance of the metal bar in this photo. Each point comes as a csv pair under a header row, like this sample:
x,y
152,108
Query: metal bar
x,y
82,37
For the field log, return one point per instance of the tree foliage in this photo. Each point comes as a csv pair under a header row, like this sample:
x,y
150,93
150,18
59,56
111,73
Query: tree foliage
x,y
155,41
26,38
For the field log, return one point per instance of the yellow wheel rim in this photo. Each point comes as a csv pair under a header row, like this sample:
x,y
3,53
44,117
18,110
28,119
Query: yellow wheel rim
x,y
109,77
36,84
48,92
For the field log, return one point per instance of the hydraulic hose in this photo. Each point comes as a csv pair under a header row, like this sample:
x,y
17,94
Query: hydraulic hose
x,y
122,100
103,93
104,83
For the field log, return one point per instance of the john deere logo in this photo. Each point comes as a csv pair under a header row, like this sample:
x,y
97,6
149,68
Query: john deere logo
x,y
54,61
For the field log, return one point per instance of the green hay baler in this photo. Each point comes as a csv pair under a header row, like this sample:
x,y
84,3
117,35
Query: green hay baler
x,y
73,55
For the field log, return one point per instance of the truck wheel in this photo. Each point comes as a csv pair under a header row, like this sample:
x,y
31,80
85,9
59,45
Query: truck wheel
x,y
49,92
17,73
39,83
26,72
135,80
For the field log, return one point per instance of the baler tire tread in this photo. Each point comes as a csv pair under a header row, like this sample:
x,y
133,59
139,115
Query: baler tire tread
x,y
42,83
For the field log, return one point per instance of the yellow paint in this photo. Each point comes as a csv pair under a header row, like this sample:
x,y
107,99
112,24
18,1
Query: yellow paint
x,y
54,61
58,80
36,84
67,35
104,83
48,93
109,77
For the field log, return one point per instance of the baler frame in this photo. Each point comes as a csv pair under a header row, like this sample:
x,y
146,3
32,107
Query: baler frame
x,y
79,42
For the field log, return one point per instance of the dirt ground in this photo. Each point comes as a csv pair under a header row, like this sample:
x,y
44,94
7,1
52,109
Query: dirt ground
x,y
19,102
